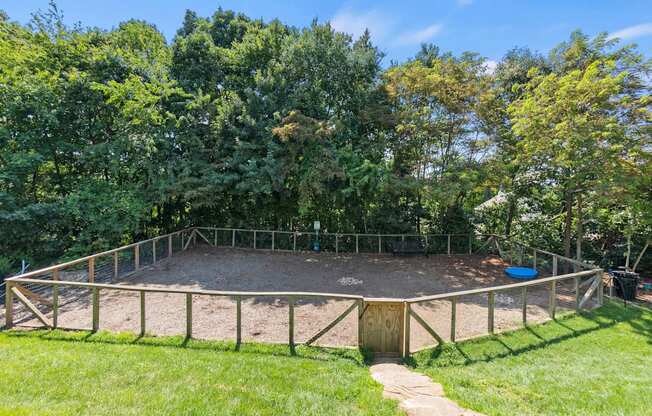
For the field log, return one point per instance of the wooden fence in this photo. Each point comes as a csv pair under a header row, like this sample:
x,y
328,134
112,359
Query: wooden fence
x,y
275,240
586,283
81,274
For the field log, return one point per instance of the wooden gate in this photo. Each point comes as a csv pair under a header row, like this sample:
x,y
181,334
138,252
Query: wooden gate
x,y
383,324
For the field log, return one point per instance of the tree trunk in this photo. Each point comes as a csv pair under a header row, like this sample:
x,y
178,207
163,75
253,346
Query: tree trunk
x,y
568,226
579,229
629,251
640,255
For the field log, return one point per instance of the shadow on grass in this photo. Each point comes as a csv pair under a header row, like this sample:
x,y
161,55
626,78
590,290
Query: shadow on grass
x,y
359,357
531,338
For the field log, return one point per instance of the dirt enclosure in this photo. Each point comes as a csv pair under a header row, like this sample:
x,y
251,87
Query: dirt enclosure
x,y
265,319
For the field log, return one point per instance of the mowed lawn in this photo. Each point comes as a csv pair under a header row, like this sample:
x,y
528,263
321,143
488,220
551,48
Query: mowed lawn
x,y
59,373
596,364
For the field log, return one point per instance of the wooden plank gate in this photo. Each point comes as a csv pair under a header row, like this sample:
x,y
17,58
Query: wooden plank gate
x,y
383,326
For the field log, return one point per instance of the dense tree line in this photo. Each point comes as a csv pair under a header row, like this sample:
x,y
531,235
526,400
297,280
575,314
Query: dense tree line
x,y
110,136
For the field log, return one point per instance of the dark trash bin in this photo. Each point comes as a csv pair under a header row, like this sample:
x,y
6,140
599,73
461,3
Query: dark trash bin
x,y
626,284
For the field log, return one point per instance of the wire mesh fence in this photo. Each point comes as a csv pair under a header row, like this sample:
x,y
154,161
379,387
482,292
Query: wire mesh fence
x,y
453,244
504,307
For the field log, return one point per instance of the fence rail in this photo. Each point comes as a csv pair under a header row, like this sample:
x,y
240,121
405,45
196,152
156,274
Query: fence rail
x,y
96,273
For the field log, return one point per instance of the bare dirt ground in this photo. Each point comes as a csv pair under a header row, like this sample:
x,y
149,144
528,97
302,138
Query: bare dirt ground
x,y
265,319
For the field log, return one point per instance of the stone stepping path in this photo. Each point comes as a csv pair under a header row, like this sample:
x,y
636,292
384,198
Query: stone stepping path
x,y
417,394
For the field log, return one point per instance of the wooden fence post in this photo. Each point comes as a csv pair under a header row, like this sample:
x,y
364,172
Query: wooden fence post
x,y
115,264
406,331
294,241
426,236
254,239
534,258
524,304
188,315
170,245
598,275
55,306
153,251
215,237
96,309
577,294
453,318
449,244
272,240
552,306
356,244
360,328
238,321
9,305
291,321
233,238
137,256
490,319
337,248
91,270
471,243
555,263
142,313
379,245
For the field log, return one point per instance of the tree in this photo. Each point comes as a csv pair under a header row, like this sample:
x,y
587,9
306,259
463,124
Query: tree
x,y
438,138
580,115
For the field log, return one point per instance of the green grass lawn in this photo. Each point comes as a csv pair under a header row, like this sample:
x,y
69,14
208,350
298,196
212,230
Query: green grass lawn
x,y
596,364
63,373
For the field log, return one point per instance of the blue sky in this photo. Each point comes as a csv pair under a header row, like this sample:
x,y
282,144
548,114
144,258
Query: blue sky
x,y
490,27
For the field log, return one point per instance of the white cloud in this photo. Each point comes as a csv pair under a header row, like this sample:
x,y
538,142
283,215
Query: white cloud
x,y
418,36
631,32
490,66
354,23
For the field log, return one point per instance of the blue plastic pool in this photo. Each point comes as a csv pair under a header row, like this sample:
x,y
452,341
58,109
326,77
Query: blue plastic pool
x,y
521,273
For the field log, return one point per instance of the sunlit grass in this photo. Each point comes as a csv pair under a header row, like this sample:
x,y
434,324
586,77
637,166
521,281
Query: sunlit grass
x,y
72,373
598,363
